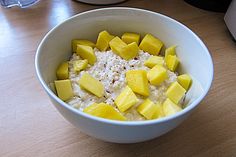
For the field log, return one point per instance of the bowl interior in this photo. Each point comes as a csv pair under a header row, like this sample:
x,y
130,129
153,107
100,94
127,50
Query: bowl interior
x,y
194,57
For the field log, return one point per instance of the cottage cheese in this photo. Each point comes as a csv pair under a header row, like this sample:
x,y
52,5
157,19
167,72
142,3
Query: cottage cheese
x,y
110,69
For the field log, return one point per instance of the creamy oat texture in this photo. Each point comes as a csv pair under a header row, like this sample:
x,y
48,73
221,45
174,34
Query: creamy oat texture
x,y
110,69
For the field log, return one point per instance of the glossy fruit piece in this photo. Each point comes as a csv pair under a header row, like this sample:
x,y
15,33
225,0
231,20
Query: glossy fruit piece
x,y
92,85
159,113
184,80
104,111
116,45
86,52
151,44
75,42
172,62
79,65
137,81
170,51
130,51
154,60
131,37
126,99
175,92
103,40
64,89
63,71
157,75
147,109
170,108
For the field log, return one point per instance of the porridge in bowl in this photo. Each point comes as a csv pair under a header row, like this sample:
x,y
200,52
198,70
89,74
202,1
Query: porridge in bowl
x,y
122,78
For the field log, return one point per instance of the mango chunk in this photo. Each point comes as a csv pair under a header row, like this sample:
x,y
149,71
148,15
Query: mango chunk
x,y
116,45
170,51
147,109
92,85
157,75
75,42
154,60
130,37
151,44
103,40
172,62
126,99
137,81
185,81
170,107
104,111
175,92
79,65
159,113
86,52
63,71
129,51
64,89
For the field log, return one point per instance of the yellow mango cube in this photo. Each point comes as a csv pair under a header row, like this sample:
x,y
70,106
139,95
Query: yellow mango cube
x,y
104,111
157,75
116,45
185,81
63,71
154,60
126,99
172,62
130,37
159,113
151,44
170,108
175,92
147,109
92,85
79,65
137,81
103,40
129,51
75,42
86,52
64,89
170,51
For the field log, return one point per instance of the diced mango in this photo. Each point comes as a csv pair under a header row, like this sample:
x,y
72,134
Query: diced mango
x,y
63,71
147,109
75,42
158,111
103,40
116,45
126,99
137,81
92,85
129,51
154,60
170,51
79,65
170,107
64,89
157,75
130,37
172,62
175,92
151,44
185,81
86,52
104,111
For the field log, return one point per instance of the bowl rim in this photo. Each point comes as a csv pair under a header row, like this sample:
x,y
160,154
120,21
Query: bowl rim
x,y
116,122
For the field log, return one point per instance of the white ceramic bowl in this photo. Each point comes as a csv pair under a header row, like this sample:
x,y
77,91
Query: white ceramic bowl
x,y
194,56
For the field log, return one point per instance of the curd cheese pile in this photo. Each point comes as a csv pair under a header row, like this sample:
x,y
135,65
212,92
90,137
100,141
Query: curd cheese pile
x,y
122,78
